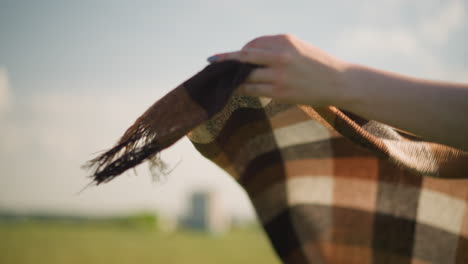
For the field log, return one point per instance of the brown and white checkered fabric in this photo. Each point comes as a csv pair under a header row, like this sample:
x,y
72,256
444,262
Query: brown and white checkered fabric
x,y
322,198
327,186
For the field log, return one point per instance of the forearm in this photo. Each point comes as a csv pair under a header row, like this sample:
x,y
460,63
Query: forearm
x,y
297,72
435,111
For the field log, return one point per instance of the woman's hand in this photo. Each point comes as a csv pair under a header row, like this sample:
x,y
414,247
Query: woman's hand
x,y
294,71
299,73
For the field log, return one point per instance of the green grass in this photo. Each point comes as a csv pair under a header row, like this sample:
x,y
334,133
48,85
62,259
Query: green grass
x,y
70,243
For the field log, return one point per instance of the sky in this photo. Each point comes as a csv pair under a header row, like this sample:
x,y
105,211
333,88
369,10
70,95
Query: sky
x,y
75,74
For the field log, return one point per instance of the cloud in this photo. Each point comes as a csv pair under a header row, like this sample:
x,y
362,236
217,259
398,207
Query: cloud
x,y
438,27
415,47
47,137
4,92
377,41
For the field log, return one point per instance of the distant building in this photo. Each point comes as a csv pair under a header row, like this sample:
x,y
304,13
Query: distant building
x,y
205,213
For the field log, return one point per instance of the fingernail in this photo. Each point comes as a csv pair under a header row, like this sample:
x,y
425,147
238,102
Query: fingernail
x,y
213,58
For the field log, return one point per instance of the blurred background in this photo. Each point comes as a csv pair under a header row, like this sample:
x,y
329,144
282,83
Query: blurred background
x,y
75,74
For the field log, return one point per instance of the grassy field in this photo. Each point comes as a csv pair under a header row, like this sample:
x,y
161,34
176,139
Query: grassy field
x,y
70,243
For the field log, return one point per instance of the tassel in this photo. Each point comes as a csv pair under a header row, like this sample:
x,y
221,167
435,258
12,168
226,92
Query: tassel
x,y
169,119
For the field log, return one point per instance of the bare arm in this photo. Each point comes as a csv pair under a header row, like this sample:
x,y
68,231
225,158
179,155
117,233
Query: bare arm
x,y
436,111
298,72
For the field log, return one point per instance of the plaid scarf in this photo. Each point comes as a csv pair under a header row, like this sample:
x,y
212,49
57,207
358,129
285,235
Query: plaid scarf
x,y
327,185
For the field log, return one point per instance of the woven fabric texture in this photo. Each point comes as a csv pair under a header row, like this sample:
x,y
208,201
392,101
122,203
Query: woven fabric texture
x,y
327,198
327,185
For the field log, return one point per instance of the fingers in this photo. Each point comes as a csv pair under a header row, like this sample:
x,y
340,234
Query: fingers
x,y
261,75
259,83
251,55
256,89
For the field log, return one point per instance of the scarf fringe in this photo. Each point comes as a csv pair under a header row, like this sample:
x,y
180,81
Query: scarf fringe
x,y
138,144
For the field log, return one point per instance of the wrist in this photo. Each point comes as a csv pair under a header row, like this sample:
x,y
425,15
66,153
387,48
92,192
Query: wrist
x,y
345,94
352,89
